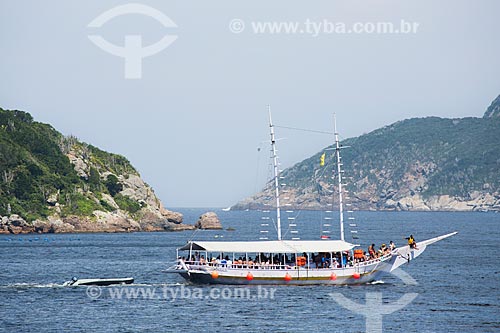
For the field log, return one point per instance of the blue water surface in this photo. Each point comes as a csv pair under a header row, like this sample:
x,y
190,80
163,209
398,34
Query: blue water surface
x,y
457,280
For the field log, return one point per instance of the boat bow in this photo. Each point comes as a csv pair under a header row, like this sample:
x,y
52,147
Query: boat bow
x,y
405,254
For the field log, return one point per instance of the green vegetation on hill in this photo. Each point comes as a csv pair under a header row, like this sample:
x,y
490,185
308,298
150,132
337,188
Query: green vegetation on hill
x,y
34,167
455,155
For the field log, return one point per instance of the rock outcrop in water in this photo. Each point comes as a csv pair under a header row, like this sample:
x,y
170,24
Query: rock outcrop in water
x,y
209,220
53,184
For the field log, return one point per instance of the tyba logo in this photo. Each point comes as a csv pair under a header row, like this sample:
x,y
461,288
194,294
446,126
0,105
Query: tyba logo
x,y
132,51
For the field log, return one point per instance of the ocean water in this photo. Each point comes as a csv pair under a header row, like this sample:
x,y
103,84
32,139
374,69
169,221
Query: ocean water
x,y
456,281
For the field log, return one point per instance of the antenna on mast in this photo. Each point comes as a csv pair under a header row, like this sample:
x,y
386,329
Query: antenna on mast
x,y
276,173
337,153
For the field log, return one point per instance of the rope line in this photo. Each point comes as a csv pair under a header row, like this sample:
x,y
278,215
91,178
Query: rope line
x,y
304,130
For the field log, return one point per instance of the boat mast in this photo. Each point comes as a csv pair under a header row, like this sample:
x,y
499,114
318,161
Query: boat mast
x,y
337,153
276,173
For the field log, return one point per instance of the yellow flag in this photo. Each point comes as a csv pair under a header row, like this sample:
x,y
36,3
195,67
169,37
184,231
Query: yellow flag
x,y
322,160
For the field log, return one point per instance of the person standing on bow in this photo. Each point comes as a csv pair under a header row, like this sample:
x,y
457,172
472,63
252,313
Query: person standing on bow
x,y
411,242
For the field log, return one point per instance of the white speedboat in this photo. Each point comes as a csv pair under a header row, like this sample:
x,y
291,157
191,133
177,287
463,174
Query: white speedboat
x,y
291,261
98,282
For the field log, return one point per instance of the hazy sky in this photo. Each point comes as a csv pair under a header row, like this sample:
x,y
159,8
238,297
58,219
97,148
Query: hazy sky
x,y
192,124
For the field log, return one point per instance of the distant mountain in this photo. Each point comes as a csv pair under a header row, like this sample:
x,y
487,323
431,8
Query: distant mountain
x,y
53,183
416,164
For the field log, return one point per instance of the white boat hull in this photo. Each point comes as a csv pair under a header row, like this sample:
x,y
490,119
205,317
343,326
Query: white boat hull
x,y
98,282
358,274
278,278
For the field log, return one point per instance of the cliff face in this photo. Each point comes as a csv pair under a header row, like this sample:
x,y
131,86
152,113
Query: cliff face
x,y
493,110
52,183
417,164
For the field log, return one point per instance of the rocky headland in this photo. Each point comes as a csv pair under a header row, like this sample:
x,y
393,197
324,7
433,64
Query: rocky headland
x,y
420,164
52,183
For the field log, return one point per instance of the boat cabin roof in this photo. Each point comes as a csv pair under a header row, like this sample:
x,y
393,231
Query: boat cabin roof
x,y
283,246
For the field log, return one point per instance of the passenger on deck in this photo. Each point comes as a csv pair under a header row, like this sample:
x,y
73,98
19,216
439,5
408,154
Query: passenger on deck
x,y
335,263
392,246
317,260
264,258
202,260
345,256
411,242
359,255
371,251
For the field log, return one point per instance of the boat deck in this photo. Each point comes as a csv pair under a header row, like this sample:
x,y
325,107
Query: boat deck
x,y
224,266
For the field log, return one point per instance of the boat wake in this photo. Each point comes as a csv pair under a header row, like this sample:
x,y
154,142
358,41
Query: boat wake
x,y
60,285
32,285
160,285
377,282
